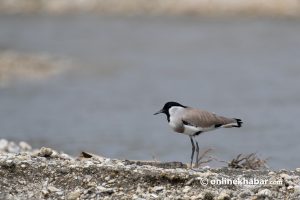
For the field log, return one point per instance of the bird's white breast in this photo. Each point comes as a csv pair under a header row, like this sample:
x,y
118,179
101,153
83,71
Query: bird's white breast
x,y
175,116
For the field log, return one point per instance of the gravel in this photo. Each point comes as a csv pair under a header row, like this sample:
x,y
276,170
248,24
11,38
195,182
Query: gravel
x,y
48,174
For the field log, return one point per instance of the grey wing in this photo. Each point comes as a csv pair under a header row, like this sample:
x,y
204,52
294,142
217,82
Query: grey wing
x,y
205,119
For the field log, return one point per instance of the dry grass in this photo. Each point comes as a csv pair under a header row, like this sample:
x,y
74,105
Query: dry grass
x,y
157,7
205,157
251,161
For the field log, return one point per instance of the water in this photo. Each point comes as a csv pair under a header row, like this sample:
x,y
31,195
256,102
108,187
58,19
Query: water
x,y
128,67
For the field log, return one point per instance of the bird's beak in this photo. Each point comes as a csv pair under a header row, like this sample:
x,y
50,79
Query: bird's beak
x,y
161,111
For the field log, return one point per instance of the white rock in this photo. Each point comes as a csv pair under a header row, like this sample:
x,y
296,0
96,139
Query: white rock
x,y
24,146
53,189
3,145
272,173
285,176
224,195
74,195
264,193
297,190
245,193
197,197
154,196
158,188
186,189
45,152
65,156
103,189
297,169
13,148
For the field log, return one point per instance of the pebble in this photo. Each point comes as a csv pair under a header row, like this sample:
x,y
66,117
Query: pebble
x,y
74,195
13,148
154,196
53,189
286,177
45,152
197,197
297,190
271,173
24,146
190,181
224,195
158,188
186,189
3,145
245,193
297,169
264,193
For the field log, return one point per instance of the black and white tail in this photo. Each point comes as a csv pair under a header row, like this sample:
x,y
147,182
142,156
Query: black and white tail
x,y
238,123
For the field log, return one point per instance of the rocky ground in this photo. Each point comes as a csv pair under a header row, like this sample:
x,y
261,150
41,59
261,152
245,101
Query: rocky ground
x,y
47,174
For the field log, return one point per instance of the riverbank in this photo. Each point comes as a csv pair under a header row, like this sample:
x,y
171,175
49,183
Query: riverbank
x,y
48,174
290,8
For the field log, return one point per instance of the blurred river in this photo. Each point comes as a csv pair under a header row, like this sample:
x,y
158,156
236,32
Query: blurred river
x,y
128,67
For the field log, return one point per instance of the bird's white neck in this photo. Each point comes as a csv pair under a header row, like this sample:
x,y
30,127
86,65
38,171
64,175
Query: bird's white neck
x,y
174,110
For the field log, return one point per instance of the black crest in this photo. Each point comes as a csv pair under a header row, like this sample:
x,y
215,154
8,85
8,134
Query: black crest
x,y
170,104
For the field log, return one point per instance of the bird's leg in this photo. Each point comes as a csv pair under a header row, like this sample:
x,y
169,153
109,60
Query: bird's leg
x,y
197,157
193,150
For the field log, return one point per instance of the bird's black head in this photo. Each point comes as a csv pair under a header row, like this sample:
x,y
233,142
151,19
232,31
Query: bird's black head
x,y
166,108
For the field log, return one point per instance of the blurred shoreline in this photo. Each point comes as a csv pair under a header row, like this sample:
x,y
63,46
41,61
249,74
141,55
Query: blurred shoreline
x,y
15,66
272,8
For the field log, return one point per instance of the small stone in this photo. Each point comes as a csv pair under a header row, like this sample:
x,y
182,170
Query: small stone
x,y
13,148
45,192
271,173
9,163
24,146
245,193
3,145
154,196
290,188
208,195
88,178
111,181
92,184
186,189
197,197
189,182
224,195
297,190
45,152
264,193
285,176
53,189
65,156
297,169
157,189
105,190
22,182
74,195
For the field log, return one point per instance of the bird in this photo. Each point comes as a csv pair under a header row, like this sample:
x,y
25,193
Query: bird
x,y
193,122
